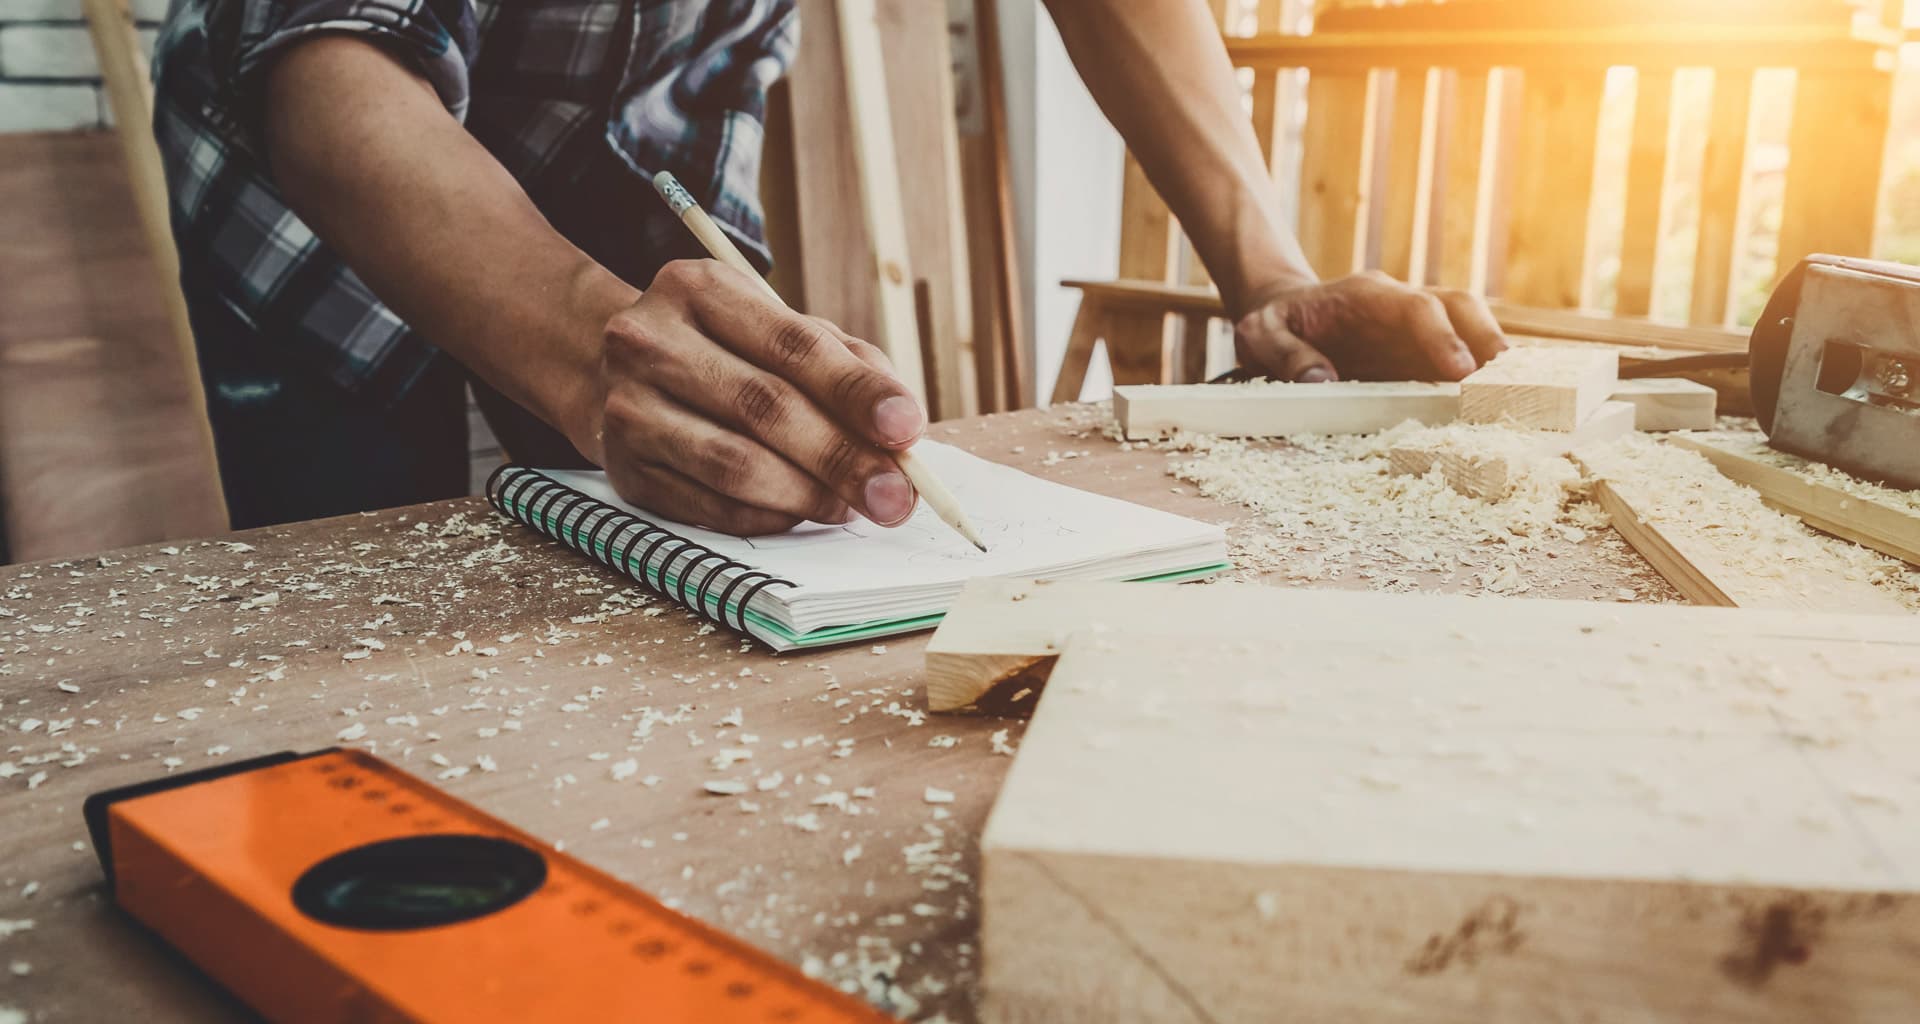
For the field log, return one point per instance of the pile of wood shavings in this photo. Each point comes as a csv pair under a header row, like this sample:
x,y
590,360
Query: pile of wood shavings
x,y
1330,507
1743,437
1686,491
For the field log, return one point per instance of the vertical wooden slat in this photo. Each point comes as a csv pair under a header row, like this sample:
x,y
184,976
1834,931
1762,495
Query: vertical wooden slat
x,y
1334,168
1266,85
1553,172
1646,192
1137,342
1408,170
1836,148
1722,176
124,70
1460,225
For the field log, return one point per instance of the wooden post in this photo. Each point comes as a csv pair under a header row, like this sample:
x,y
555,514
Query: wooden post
x,y
1547,239
1837,148
1722,179
1646,190
123,67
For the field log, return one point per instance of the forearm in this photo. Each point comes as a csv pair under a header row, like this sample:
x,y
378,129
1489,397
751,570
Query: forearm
x,y
366,154
1160,73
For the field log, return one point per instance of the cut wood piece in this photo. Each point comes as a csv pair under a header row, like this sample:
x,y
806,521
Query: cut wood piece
x,y
1486,461
1885,520
1719,544
1274,409
1669,403
1003,633
1566,817
1543,388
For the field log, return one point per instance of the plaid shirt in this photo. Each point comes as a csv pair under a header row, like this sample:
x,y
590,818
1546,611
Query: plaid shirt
x,y
677,85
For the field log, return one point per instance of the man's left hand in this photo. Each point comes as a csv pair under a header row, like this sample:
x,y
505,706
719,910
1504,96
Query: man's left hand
x,y
1366,327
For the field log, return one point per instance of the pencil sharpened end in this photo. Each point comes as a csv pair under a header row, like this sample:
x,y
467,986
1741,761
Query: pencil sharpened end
x,y
981,546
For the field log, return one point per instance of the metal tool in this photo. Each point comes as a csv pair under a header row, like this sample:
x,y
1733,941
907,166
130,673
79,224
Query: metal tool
x,y
1835,364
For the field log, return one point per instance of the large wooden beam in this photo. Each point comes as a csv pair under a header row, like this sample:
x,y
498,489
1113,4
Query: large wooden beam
x,y
1495,810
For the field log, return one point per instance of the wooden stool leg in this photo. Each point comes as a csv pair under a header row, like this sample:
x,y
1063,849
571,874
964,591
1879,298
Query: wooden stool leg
x,y
1089,325
1192,364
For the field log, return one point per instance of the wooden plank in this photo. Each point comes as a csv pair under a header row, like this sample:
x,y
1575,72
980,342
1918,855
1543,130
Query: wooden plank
x,y
1463,220
1654,44
1362,848
1544,388
1717,543
876,168
1136,341
1669,403
1885,520
1406,202
1004,378
1614,330
1553,167
129,88
1646,193
1264,98
1278,409
1485,462
1722,180
920,90
1335,170
1837,145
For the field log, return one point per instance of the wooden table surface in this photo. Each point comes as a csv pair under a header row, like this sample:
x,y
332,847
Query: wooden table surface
x,y
538,673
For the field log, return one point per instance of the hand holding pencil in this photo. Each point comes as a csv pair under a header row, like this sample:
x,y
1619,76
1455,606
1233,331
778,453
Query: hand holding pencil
x,y
936,494
719,406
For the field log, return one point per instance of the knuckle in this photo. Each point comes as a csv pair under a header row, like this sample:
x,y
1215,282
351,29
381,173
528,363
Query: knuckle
x,y
761,405
796,340
842,460
725,465
684,275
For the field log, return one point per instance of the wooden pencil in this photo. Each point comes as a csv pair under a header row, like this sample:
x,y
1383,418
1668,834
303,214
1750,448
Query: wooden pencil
x,y
932,491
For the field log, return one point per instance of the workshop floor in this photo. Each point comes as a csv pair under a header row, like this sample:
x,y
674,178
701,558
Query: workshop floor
x,y
98,448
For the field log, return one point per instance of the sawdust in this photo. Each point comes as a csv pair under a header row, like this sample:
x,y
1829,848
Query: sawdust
x,y
1331,508
1743,436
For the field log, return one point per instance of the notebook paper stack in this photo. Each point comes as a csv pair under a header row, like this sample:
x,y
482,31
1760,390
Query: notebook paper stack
x,y
825,584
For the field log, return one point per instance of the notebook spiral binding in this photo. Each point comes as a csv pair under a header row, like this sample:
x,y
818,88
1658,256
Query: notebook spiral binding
x,y
668,564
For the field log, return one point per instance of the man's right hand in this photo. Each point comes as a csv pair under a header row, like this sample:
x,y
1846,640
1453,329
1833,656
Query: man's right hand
x,y
721,407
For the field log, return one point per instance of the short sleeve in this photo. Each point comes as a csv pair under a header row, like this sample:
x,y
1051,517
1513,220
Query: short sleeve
x,y
436,37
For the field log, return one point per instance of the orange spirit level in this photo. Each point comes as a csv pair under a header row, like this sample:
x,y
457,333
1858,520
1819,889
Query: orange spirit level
x,y
335,887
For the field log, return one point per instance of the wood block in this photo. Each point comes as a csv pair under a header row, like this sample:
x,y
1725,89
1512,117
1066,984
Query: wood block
x,y
1485,461
1669,403
1545,388
1271,409
1885,520
1719,544
1573,817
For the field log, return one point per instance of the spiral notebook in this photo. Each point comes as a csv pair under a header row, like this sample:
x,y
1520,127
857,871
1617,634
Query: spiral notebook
x,y
822,584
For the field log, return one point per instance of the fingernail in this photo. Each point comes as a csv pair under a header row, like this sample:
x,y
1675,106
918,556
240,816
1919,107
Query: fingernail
x,y
889,497
1316,375
898,419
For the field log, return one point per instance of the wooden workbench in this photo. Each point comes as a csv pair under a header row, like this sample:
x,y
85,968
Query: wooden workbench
x,y
169,652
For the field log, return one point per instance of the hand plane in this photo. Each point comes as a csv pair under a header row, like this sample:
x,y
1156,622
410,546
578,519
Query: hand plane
x,y
1835,362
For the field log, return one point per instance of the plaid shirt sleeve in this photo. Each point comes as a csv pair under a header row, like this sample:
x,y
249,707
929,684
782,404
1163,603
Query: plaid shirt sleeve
x,y
437,37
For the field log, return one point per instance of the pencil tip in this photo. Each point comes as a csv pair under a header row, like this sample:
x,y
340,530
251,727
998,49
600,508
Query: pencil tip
x,y
982,547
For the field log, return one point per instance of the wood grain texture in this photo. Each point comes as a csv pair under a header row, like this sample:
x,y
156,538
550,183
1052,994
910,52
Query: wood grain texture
x,y
1722,180
1837,146
1669,403
1280,409
1553,168
1463,223
132,632
1646,193
1335,171
1406,205
1543,388
1886,525
1004,372
1089,326
1410,826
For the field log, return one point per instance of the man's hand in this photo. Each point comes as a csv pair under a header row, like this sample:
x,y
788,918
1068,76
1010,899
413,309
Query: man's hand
x,y
723,408
1367,327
